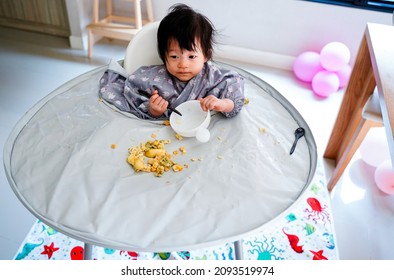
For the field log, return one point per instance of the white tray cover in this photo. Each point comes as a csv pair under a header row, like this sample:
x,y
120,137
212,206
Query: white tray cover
x,y
60,164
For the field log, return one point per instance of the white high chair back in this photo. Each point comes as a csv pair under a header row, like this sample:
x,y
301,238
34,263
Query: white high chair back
x,y
142,49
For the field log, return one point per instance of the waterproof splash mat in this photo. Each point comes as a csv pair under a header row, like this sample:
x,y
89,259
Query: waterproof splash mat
x,y
304,232
66,162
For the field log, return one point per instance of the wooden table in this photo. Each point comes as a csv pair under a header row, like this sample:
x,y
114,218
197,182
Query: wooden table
x,y
374,67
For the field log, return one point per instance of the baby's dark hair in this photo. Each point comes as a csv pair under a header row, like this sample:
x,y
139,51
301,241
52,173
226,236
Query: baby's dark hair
x,y
186,26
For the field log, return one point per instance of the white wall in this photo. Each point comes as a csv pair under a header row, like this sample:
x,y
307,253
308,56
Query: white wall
x,y
282,27
79,16
286,27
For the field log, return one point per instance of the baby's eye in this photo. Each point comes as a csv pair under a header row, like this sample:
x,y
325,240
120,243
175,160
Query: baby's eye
x,y
173,56
192,56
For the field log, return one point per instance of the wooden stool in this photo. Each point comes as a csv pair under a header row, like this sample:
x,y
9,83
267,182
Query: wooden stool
x,y
117,27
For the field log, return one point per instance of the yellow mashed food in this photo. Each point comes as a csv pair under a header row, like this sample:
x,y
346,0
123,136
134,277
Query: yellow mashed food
x,y
152,157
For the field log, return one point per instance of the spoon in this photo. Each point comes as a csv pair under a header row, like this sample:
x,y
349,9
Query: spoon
x,y
148,95
298,133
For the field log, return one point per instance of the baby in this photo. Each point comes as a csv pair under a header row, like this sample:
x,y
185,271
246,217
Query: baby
x,y
185,45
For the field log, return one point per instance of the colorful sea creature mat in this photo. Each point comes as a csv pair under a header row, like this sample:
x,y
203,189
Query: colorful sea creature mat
x,y
304,232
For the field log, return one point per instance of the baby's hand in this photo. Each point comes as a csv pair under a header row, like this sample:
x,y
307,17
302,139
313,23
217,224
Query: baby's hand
x,y
213,103
157,104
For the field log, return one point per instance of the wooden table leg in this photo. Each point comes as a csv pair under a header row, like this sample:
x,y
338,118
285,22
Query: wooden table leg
x,y
349,120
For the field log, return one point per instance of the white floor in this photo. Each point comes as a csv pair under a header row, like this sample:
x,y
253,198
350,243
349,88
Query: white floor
x,y
32,65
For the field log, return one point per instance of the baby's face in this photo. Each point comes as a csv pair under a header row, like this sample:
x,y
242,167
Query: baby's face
x,y
184,64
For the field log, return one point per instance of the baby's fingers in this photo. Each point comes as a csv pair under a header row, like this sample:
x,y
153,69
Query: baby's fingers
x,y
203,104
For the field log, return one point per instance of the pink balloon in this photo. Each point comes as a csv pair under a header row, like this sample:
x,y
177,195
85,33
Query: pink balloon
x,y
334,56
306,65
324,83
375,149
384,177
344,75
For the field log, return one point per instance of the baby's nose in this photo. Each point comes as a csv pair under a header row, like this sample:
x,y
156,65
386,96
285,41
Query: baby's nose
x,y
182,64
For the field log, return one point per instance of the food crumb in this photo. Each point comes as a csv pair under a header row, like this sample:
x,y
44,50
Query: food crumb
x,y
178,136
177,167
166,122
196,159
113,146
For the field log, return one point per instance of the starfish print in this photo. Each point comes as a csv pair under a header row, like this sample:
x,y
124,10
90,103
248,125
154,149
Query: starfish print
x,y
48,250
318,255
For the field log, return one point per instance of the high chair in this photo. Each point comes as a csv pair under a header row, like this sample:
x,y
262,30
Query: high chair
x,y
114,26
142,50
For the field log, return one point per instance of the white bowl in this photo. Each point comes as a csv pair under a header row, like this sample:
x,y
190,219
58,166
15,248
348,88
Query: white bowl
x,y
193,122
